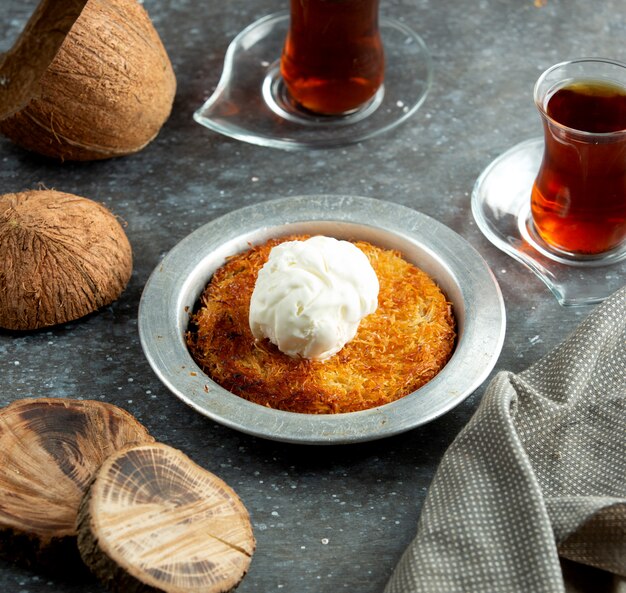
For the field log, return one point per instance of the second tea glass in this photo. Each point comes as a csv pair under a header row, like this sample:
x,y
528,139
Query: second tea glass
x,y
578,199
578,272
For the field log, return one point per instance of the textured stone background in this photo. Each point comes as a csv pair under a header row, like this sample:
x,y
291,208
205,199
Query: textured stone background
x,y
330,518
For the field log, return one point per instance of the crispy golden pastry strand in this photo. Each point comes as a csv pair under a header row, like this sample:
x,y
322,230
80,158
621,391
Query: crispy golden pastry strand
x,y
396,350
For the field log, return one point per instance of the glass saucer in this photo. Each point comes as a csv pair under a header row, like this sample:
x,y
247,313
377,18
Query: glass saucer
x,y
251,104
501,208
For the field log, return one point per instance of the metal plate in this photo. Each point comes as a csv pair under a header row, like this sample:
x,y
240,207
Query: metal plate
x,y
175,285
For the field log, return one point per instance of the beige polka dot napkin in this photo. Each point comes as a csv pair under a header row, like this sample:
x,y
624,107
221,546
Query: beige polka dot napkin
x,y
539,472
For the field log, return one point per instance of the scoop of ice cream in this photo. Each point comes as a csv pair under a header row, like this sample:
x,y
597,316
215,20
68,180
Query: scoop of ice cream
x,y
310,296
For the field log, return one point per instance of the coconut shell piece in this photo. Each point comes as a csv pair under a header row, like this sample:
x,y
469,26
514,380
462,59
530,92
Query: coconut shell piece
x,y
50,450
154,521
61,257
86,80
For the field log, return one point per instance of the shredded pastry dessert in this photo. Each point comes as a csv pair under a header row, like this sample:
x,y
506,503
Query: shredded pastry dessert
x,y
396,350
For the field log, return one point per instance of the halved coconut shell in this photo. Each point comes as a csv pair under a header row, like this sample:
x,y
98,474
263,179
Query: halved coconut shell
x,y
61,257
86,80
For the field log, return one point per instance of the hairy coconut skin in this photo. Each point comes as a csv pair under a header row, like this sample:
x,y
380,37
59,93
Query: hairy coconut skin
x,y
86,82
61,257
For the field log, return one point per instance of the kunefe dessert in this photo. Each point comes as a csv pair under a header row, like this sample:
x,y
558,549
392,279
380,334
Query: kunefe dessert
x,y
396,349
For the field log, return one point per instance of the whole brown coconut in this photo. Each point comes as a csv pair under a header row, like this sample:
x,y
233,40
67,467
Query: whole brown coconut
x,y
86,80
61,257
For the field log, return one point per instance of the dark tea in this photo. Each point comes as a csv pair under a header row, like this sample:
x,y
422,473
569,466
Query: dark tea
x,y
333,61
578,201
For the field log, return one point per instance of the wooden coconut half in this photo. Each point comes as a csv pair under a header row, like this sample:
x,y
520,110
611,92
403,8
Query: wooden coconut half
x,y
61,257
154,521
86,79
50,450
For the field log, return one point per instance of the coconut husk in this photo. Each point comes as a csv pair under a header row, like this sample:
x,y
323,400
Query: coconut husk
x,y
61,257
86,80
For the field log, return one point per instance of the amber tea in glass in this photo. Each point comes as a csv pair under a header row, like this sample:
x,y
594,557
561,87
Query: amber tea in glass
x,y
333,61
578,200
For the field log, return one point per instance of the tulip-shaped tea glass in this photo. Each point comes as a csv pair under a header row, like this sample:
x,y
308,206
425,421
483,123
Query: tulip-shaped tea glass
x,y
333,60
558,203
578,200
325,73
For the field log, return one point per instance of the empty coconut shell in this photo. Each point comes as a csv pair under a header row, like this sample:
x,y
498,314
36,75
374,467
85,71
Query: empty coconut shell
x,y
86,79
61,257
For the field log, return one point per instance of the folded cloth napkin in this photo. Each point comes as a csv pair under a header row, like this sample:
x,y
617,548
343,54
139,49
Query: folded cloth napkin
x,y
539,472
